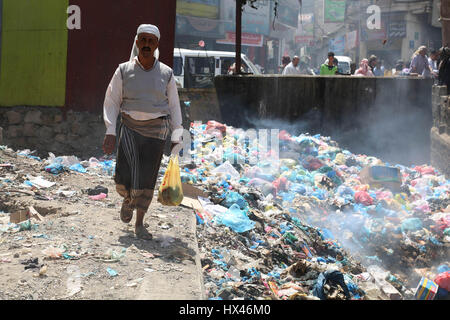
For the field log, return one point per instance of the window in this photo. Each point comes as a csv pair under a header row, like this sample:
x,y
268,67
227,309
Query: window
x,y
177,66
200,72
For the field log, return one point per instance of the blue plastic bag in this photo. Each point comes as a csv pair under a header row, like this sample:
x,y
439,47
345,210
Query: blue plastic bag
x,y
232,198
78,167
236,219
412,224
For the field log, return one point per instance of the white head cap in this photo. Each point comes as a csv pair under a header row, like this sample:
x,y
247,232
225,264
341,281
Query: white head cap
x,y
149,28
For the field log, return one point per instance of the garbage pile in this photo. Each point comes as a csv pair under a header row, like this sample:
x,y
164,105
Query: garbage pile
x,y
316,222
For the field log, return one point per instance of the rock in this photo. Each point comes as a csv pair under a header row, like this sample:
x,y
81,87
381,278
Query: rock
x,y
62,127
14,131
14,117
33,116
79,128
61,138
45,133
58,118
47,119
29,130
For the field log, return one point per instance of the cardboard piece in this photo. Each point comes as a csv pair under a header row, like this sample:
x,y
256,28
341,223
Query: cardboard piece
x,y
192,203
192,192
382,177
19,216
191,195
23,215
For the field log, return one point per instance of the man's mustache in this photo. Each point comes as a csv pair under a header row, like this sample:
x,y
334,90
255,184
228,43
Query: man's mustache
x,y
146,49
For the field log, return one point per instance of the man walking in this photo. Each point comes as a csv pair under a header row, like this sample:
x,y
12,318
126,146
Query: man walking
x,y
144,91
292,67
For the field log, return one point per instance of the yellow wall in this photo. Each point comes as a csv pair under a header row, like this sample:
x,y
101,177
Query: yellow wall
x,y
34,52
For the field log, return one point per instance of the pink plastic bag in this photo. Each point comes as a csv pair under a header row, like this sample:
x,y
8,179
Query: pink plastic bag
x,y
98,197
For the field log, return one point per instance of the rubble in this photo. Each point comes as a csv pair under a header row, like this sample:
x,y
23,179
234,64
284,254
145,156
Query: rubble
x,y
311,215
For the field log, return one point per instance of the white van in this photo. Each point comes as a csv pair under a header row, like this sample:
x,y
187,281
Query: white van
x,y
197,68
344,64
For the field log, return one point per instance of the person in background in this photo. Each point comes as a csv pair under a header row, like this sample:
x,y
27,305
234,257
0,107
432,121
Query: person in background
x,y
419,63
284,62
232,69
444,68
380,69
399,66
364,69
407,69
304,69
373,62
433,62
329,69
292,67
352,68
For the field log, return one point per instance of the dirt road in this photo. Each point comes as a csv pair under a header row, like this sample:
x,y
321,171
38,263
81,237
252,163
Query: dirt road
x,y
101,258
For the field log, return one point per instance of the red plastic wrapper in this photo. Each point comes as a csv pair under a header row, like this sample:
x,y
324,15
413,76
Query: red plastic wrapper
x,y
217,126
283,135
425,170
312,164
280,184
443,280
364,198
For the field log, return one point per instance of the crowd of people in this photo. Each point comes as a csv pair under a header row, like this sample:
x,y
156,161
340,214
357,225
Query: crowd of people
x,y
421,64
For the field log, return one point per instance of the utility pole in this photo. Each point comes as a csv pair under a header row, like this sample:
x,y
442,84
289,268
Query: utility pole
x,y
445,18
239,5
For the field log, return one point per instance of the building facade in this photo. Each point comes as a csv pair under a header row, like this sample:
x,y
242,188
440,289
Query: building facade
x,y
211,25
46,59
347,27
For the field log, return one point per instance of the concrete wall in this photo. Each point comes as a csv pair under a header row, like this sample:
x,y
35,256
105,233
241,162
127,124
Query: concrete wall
x,y
384,117
440,132
199,105
47,129
63,132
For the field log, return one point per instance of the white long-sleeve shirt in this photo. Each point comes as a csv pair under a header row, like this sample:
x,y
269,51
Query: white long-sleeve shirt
x,y
113,101
291,69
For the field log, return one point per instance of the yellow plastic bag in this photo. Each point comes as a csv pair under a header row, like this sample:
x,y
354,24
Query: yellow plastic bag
x,y
171,191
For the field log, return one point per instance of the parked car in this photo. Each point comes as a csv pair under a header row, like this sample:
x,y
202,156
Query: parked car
x,y
197,68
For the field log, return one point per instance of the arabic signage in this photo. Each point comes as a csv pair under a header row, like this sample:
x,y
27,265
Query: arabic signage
x,y
305,30
397,29
334,11
337,45
248,39
199,8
